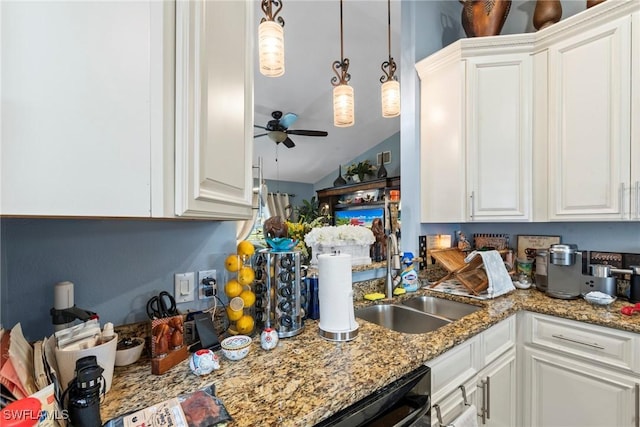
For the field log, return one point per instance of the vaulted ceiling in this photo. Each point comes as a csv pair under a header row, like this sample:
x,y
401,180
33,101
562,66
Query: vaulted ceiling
x,y
312,44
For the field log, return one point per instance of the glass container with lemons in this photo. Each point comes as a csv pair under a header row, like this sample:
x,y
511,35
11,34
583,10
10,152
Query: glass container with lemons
x,y
239,290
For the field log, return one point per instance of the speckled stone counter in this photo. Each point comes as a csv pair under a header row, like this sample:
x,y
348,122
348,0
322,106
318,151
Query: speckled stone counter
x,y
306,378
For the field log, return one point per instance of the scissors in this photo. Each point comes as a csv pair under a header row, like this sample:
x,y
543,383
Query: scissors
x,y
161,305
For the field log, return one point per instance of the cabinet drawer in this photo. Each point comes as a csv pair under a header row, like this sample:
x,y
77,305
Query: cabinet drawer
x,y
498,339
595,343
453,368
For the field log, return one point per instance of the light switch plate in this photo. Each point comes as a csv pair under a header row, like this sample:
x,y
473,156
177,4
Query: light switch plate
x,y
184,284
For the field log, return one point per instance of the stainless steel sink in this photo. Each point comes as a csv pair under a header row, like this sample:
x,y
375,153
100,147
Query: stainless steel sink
x,y
453,310
401,319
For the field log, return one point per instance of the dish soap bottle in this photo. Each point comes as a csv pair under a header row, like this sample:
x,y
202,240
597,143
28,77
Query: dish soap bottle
x,y
409,275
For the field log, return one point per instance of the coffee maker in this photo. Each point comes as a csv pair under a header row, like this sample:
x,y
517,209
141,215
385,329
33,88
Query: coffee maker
x,y
564,271
570,275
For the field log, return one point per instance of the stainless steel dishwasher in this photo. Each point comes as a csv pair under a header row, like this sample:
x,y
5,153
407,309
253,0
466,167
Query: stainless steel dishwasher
x,y
403,403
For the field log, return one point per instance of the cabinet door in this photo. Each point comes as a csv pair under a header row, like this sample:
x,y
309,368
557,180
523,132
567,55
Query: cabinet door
x,y
497,392
559,391
589,124
499,134
635,112
214,109
75,108
442,168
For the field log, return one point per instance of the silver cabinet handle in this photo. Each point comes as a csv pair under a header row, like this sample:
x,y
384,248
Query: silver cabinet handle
x,y
637,199
484,411
472,210
488,398
594,345
637,405
623,213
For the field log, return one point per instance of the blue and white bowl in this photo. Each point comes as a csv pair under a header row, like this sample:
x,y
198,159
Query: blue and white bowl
x,y
236,347
281,244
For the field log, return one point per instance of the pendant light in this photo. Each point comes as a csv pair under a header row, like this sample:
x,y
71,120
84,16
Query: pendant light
x,y
343,100
271,39
390,89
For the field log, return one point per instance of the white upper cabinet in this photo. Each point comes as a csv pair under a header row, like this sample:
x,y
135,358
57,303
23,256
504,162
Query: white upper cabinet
x,y
589,119
476,131
75,108
89,114
573,88
214,109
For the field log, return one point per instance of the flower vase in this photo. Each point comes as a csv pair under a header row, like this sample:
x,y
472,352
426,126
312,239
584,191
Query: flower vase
x,y
484,17
339,180
547,12
382,172
355,178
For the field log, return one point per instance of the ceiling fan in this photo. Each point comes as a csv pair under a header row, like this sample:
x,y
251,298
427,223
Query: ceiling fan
x,y
278,129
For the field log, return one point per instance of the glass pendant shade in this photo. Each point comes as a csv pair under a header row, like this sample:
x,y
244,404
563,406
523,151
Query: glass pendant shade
x,y
390,98
343,106
271,48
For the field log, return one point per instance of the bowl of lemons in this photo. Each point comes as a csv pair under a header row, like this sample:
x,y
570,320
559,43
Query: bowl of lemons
x,y
236,347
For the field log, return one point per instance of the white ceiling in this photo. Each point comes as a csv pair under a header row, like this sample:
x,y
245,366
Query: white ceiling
x,y
312,44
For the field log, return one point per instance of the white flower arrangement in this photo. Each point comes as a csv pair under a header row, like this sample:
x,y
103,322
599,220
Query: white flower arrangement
x,y
342,234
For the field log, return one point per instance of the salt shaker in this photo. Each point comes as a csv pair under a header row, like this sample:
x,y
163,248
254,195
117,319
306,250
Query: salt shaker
x,y
269,338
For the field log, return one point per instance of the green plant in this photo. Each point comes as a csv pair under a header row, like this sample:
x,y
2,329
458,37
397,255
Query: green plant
x,y
361,169
309,210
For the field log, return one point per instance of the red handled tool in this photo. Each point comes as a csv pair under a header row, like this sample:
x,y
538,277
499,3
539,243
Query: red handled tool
x,y
630,309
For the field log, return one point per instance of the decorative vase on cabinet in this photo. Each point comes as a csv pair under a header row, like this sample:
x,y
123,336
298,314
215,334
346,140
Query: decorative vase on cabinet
x,y
547,12
339,180
484,17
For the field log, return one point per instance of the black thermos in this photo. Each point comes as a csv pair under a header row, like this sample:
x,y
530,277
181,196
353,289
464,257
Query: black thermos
x,y
634,289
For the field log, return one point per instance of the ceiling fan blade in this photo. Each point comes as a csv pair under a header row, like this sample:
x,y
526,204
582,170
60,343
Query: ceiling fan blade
x,y
261,127
288,143
288,119
308,132
260,134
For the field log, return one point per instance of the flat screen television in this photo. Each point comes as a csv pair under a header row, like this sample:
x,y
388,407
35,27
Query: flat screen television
x,y
359,216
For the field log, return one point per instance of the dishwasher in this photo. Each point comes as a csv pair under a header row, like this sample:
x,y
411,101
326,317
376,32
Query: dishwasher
x,y
403,403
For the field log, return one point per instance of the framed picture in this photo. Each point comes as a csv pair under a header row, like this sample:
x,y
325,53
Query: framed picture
x,y
528,245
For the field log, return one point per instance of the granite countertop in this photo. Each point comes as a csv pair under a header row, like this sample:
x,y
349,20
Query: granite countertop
x,y
306,378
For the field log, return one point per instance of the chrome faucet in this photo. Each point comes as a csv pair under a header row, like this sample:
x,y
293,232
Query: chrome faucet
x,y
393,256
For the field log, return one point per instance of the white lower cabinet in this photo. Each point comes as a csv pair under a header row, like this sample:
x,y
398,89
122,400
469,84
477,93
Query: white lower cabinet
x,y
482,369
577,374
559,391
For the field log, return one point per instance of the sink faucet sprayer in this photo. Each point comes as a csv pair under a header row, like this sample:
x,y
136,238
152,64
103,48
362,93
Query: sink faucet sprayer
x,y
393,255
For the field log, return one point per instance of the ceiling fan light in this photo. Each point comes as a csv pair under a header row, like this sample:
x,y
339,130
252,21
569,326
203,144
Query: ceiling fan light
x,y
271,48
343,106
390,91
277,136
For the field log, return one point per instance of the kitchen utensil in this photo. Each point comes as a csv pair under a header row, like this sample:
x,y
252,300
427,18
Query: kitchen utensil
x,y
161,305
634,287
564,271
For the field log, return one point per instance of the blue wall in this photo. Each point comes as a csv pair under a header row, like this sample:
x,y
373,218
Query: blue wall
x,y
116,265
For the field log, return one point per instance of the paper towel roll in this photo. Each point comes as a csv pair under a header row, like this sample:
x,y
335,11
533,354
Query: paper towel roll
x,y
335,293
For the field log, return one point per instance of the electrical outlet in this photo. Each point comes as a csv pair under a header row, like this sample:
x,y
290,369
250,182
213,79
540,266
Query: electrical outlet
x,y
184,284
207,284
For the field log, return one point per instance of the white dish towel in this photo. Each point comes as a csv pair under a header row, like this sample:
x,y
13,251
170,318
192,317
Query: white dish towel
x,y
499,281
469,418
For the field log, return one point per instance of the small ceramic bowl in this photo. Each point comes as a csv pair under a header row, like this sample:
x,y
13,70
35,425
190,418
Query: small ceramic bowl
x,y
236,347
128,351
281,244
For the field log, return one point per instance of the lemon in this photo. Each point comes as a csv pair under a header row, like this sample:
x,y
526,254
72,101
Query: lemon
x,y
232,288
248,297
237,303
233,315
246,275
244,325
233,263
246,248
